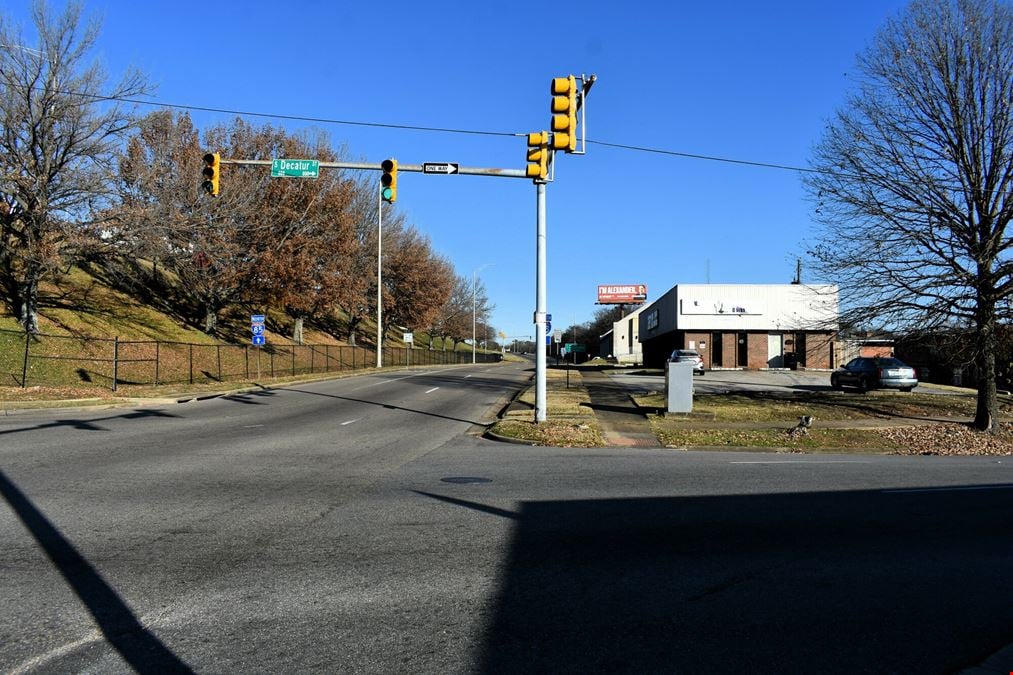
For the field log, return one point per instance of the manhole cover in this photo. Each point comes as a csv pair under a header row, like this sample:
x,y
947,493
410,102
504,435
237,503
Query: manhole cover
x,y
465,479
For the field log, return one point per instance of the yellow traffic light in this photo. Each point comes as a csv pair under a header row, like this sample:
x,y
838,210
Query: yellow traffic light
x,y
538,155
388,181
564,113
212,173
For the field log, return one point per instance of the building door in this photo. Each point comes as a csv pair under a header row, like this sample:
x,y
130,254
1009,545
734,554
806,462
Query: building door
x,y
775,351
742,351
717,355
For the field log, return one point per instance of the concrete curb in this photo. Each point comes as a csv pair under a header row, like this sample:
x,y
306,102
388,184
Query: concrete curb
x,y
493,436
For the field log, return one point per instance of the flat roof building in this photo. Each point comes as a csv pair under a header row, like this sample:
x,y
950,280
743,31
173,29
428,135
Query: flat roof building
x,y
754,326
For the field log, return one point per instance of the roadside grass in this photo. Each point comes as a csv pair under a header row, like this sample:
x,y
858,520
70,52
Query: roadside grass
x,y
896,423
818,440
570,423
787,408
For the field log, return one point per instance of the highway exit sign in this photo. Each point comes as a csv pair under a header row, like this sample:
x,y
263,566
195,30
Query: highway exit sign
x,y
295,168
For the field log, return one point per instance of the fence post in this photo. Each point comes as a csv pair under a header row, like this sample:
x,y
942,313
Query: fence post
x,y
218,349
246,358
116,359
24,365
313,353
272,363
157,354
293,360
191,362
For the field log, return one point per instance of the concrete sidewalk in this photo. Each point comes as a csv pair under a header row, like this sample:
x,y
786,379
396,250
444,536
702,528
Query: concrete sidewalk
x,y
623,424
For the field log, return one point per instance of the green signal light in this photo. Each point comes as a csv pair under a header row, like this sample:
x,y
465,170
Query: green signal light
x,y
387,193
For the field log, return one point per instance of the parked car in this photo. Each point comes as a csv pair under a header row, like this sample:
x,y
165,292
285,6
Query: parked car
x,y
866,373
688,356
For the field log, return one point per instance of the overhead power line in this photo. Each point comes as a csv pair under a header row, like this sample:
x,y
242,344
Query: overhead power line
x,y
710,158
297,118
447,130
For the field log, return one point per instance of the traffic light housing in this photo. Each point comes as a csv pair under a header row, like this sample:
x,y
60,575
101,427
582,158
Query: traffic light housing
x,y
564,113
388,181
212,173
538,155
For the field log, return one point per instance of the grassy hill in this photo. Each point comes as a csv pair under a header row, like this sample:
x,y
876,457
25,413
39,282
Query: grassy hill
x,y
95,336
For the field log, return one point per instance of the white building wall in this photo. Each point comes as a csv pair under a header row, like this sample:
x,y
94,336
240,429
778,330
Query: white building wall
x,y
745,307
623,348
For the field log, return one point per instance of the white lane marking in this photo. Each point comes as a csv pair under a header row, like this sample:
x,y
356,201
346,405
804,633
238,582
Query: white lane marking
x,y
429,391
806,461
34,662
252,426
467,376
393,379
351,421
948,489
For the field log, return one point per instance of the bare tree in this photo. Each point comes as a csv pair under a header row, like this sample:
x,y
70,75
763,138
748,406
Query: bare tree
x,y
454,318
211,245
913,180
60,127
416,282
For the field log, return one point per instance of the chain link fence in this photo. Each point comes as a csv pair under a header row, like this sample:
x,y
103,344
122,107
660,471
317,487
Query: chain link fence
x,y
38,359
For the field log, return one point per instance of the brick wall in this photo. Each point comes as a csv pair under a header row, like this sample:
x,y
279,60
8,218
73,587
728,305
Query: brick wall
x,y
817,351
729,346
705,351
756,354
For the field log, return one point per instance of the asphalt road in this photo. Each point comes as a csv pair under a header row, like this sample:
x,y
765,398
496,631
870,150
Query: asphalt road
x,y
361,525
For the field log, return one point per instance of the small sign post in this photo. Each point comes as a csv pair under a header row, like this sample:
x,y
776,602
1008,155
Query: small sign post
x,y
259,339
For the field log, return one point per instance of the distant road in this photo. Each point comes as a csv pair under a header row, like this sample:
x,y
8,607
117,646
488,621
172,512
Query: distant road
x,y
361,525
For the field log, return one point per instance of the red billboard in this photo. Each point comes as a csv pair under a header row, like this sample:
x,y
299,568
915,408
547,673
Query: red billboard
x,y
622,295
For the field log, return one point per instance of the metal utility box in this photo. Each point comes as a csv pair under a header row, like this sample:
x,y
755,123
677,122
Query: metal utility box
x,y
679,387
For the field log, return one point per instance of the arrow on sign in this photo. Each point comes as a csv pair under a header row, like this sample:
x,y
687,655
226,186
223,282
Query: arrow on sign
x,y
439,167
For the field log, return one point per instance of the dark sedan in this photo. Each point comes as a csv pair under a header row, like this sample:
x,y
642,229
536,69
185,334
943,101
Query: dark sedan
x,y
866,373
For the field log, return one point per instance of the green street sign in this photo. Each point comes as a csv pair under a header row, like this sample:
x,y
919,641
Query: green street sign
x,y
295,168
572,347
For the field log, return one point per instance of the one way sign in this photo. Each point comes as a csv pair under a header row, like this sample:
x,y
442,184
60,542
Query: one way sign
x,y
439,167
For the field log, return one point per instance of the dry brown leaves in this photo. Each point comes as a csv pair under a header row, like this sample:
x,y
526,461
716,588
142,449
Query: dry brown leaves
x,y
951,439
41,393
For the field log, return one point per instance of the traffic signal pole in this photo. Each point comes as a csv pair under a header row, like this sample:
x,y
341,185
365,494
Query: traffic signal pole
x,y
568,135
541,304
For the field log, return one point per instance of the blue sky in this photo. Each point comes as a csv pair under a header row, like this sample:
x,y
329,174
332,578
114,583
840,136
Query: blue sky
x,y
738,80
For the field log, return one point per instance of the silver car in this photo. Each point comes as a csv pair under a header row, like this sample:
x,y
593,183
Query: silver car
x,y
869,372
688,356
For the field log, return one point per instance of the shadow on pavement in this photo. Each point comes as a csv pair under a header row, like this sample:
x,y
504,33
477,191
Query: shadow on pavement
x,y
869,581
144,652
